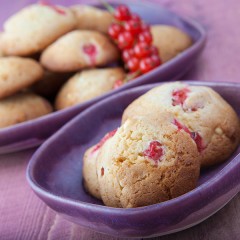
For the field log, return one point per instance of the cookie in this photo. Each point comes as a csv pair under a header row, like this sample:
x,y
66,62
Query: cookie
x,y
35,27
86,85
49,85
90,172
92,18
147,162
17,73
200,111
1,50
22,107
90,166
170,41
79,49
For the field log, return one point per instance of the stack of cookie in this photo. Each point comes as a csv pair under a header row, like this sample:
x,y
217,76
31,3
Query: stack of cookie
x,y
166,137
39,50
44,46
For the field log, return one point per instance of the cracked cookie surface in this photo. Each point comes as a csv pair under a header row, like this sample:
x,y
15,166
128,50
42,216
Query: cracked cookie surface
x,y
204,113
128,177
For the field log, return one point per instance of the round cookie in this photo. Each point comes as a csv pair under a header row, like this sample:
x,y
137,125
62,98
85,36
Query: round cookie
x,y
200,111
79,49
1,50
22,107
90,166
147,162
35,27
170,41
18,73
50,84
86,85
92,18
90,172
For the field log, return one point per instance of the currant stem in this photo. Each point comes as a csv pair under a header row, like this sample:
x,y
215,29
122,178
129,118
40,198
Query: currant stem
x,y
131,76
107,6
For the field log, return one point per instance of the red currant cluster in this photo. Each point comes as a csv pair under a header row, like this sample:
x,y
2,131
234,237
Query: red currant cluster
x,y
134,38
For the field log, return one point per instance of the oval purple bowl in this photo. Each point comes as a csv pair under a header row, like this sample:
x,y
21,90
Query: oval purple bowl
x,y
33,133
55,175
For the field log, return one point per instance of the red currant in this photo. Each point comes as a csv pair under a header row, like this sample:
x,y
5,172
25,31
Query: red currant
x,y
142,50
145,27
133,64
114,30
118,84
198,140
154,151
127,54
103,140
135,17
149,63
180,126
179,96
156,60
154,51
125,40
133,26
55,8
122,13
145,36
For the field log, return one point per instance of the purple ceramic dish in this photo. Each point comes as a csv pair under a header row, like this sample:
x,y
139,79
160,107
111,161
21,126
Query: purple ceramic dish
x,y
55,175
34,132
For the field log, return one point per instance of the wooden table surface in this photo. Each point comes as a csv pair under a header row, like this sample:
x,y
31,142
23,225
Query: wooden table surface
x,y
24,216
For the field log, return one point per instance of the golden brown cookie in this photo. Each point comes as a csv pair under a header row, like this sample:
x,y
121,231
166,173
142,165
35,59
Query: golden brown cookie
x,y
92,18
200,111
170,41
35,27
86,85
90,172
1,50
147,162
17,73
90,166
79,49
22,107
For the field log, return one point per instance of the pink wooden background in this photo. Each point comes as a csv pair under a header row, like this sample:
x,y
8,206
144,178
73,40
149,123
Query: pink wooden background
x,y
24,216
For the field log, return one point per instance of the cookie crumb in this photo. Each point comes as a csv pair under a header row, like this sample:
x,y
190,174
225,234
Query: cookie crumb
x,y
218,131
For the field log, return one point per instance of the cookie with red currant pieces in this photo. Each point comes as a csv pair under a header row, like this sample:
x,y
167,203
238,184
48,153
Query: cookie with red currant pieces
x,y
92,18
170,41
22,107
1,51
17,73
35,27
88,84
79,49
199,111
90,166
147,162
